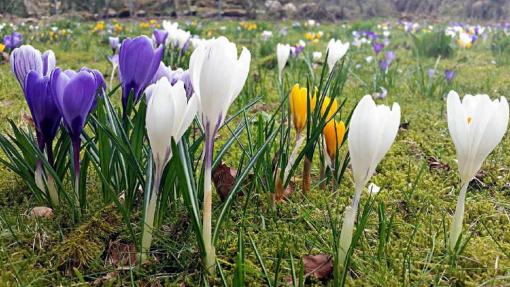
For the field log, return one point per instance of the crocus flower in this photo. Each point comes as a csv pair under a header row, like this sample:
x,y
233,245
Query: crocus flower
x,y
332,109
465,40
378,47
431,73
13,40
46,117
218,76
114,43
373,129
282,55
138,62
169,114
333,132
336,50
449,75
173,76
26,58
299,108
75,96
316,56
476,126
160,36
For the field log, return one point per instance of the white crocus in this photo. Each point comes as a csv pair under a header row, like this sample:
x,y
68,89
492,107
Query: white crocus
x,y
476,126
372,130
169,114
336,50
218,76
282,55
316,56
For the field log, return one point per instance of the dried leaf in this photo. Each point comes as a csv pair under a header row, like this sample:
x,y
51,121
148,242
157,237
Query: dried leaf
x,y
101,281
41,211
320,266
434,163
121,254
224,178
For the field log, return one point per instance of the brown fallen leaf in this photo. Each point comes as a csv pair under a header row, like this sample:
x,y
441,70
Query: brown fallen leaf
x,y
41,211
319,266
434,163
224,178
121,254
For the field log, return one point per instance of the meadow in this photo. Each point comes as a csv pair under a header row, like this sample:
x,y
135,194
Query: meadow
x,y
268,229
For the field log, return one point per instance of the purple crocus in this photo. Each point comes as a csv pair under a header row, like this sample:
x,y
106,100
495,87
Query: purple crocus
x,y
378,47
26,58
431,73
13,40
160,36
449,75
75,96
385,63
45,113
173,76
138,62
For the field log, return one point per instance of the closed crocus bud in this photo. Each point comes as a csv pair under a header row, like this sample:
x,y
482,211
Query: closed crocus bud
x,y
75,96
282,55
114,43
138,62
333,136
45,113
218,76
169,114
332,109
373,129
160,36
476,124
26,58
336,51
299,106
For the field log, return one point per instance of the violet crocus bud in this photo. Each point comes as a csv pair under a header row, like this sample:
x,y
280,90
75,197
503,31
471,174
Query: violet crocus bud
x,y
160,36
449,75
26,58
138,62
378,47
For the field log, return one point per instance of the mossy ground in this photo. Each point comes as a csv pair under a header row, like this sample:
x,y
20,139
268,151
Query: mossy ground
x,y
415,254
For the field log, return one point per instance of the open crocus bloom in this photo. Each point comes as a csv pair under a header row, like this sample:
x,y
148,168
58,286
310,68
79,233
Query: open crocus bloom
x,y
299,106
336,50
282,55
373,129
26,58
476,126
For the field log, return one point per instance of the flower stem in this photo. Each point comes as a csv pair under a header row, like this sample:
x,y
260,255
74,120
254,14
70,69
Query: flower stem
x,y
456,227
210,254
345,240
307,168
150,210
293,156
76,165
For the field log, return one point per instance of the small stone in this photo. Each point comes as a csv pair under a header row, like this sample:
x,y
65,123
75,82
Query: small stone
x,y
41,211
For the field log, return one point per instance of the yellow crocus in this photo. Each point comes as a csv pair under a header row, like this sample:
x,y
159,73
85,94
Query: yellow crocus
x,y
298,106
332,109
2,47
309,36
334,132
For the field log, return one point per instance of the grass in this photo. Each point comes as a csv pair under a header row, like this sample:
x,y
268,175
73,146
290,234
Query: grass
x,y
416,200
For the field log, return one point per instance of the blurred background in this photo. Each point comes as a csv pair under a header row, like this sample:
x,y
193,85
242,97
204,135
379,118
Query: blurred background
x,y
331,10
